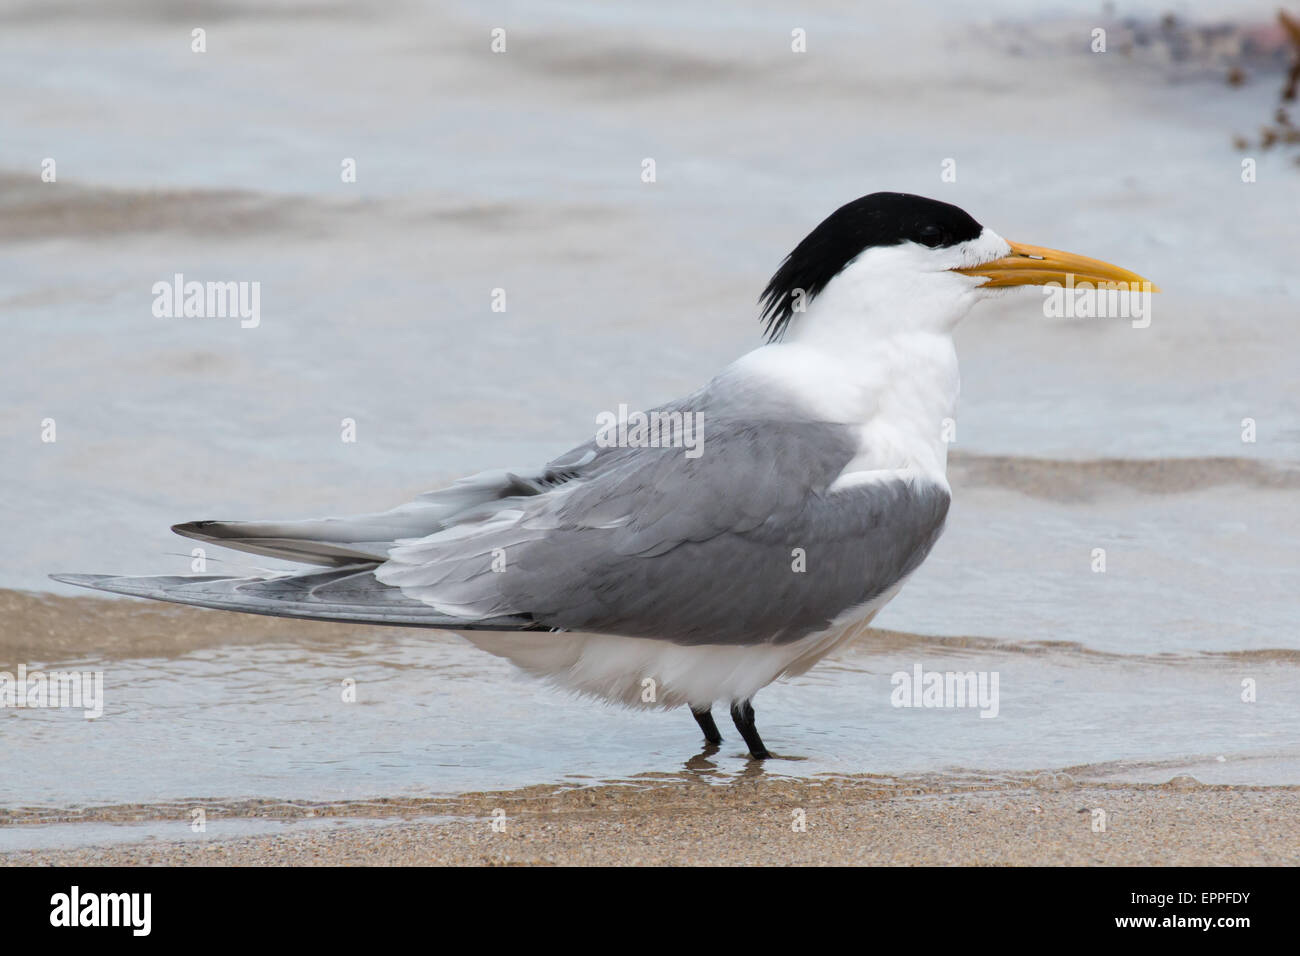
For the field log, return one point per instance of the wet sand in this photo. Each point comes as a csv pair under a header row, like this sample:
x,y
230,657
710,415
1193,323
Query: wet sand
x,y
1045,820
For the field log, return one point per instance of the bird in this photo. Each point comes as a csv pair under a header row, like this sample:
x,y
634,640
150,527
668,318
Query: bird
x,y
761,524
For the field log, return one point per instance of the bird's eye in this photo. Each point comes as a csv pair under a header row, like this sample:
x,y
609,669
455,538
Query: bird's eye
x,y
931,236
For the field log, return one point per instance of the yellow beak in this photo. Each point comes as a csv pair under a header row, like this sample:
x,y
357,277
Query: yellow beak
x,y
1034,265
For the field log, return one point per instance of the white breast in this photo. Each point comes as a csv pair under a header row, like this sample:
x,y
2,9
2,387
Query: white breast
x,y
899,394
644,673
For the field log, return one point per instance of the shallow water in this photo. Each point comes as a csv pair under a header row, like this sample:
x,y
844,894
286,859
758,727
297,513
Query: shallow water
x,y
432,715
521,172
63,836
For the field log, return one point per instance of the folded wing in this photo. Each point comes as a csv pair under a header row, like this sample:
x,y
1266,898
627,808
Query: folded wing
x,y
744,542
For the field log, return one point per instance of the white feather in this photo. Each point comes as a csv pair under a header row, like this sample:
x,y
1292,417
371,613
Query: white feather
x,y
617,669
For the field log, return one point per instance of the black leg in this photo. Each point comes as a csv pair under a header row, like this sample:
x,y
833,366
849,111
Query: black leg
x,y
705,719
743,715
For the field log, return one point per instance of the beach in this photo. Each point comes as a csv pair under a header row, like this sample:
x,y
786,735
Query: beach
x,y
752,822
1117,575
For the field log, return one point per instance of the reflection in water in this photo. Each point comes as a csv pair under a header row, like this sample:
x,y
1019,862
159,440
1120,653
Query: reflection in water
x,y
702,763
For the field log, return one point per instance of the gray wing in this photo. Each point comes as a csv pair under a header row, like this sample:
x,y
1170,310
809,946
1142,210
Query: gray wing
x,y
745,544
352,546
337,542
348,594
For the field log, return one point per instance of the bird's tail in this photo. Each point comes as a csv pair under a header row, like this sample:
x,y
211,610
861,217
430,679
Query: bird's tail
x,y
328,542
338,542
351,548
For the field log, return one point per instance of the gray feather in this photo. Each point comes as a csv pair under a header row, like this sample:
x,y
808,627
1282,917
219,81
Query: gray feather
x,y
335,542
646,542
635,541
350,595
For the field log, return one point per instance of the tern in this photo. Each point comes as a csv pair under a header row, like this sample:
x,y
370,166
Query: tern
x,y
656,568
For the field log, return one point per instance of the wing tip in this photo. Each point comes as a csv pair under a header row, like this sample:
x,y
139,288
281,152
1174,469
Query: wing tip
x,y
194,529
81,580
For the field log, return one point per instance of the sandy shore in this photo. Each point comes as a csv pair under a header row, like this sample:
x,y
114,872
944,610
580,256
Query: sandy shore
x,y
1047,820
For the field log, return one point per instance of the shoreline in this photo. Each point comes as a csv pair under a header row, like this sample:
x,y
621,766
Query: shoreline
x,y
1047,819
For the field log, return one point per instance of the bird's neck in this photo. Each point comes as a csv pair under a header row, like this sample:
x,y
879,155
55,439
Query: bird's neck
x,y
877,347
898,391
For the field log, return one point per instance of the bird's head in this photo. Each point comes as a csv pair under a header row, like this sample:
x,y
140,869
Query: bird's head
x,y
892,262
